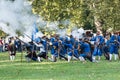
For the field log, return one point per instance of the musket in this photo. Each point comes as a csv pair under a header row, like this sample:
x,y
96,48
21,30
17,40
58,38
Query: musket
x,y
28,36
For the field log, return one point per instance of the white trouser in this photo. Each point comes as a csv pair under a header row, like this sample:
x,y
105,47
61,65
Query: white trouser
x,y
81,58
110,57
53,57
94,58
115,56
39,59
12,57
69,58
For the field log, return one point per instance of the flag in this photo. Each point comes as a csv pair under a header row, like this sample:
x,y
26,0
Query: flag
x,y
34,31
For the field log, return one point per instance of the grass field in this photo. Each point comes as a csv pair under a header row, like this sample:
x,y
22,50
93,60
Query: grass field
x,y
61,70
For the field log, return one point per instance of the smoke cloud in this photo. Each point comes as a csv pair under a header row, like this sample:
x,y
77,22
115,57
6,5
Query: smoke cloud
x,y
16,17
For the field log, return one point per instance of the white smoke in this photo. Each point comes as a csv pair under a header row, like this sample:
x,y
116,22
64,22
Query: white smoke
x,y
16,16
53,25
62,32
78,33
39,34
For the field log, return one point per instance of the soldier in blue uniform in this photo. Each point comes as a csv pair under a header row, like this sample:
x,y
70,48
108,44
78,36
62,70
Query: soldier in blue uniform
x,y
72,40
54,50
98,46
69,48
62,50
86,51
114,46
76,47
106,47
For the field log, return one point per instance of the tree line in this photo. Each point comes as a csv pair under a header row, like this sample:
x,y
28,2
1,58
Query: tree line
x,y
90,14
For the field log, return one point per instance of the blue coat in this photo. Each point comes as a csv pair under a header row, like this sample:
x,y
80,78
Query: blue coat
x,y
86,49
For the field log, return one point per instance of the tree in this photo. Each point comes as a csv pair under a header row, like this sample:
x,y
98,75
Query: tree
x,y
103,14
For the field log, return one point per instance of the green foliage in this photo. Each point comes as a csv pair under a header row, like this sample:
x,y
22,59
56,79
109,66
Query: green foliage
x,y
18,32
2,33
80,12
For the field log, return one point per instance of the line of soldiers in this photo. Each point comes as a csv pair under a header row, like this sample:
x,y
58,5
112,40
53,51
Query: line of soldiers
x,y
89,47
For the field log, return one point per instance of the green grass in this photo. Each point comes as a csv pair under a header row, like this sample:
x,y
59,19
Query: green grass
x,y
61,70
